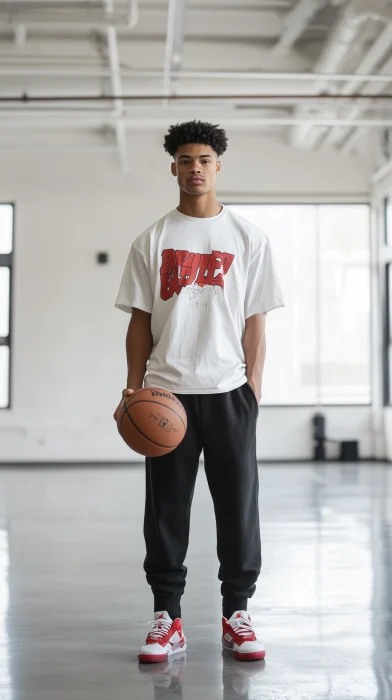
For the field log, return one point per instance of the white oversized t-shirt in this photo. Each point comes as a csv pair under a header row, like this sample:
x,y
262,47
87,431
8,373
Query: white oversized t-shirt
x,y
200,279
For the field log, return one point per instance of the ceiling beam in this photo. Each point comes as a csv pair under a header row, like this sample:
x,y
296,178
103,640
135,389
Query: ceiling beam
x,y
338,45
380,48
158,117
114,63
174,43
20,34
296,22
41,70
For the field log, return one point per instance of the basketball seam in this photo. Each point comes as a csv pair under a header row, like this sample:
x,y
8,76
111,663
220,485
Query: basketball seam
x,y
159,404
121,422
158,444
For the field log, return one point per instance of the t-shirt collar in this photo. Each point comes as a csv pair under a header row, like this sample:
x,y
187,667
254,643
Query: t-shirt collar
x,y
197,219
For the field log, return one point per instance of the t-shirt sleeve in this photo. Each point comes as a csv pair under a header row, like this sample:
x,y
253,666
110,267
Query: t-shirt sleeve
x,y
135,288
263,291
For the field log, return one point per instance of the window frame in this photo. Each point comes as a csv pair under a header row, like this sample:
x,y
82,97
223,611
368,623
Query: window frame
x,y
387,203
387,335
8,260
349,202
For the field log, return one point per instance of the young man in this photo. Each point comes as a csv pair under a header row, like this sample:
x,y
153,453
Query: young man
x,y
199,283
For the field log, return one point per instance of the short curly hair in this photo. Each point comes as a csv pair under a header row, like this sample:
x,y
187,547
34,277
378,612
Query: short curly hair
x,y
195,132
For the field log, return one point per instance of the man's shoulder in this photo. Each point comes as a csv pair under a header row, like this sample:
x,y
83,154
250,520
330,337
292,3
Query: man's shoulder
x,y
247,229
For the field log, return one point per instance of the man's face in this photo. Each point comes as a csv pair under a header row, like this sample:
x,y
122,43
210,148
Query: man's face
x,y
196,167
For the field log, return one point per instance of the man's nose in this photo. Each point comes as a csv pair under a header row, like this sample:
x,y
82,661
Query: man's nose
x,y
195,168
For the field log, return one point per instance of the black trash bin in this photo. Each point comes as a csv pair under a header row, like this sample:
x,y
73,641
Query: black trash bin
x,y
318,421
349,451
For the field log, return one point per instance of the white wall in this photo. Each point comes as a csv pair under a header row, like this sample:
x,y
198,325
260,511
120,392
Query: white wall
x,y
68,346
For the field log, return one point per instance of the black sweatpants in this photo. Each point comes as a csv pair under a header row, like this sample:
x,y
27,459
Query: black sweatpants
x,y
224,426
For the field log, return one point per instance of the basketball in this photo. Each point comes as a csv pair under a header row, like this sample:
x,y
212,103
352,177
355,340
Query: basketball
x,y
152,421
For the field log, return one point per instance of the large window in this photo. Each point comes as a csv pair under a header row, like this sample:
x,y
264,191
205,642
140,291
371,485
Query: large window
x,y
318,346
6,247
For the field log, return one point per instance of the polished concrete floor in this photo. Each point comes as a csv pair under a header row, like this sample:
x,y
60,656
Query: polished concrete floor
x,y
74,606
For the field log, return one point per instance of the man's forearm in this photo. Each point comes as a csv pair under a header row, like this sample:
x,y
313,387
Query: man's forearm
x,y
139,344
255,346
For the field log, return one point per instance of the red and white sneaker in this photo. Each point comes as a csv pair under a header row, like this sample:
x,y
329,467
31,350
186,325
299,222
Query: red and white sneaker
x,y
164,639
238,636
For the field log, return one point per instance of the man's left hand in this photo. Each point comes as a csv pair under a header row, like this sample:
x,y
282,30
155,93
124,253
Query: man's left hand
x,y
256,390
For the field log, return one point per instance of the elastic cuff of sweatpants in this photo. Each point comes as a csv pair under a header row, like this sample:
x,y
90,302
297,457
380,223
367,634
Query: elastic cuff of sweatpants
x,y
171,605
232,605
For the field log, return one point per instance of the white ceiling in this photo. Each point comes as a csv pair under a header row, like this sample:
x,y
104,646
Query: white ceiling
x,y
171,48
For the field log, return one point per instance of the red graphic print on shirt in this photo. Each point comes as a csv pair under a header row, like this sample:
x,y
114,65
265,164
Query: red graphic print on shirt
x,y
180,269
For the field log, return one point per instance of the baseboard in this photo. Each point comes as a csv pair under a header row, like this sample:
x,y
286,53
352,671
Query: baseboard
x,y
126,465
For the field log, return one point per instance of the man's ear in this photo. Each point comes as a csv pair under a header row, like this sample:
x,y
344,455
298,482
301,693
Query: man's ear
x,y
174,169
218,166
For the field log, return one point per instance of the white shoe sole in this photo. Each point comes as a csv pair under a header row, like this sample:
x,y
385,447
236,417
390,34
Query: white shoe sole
x,y
160,658
249,656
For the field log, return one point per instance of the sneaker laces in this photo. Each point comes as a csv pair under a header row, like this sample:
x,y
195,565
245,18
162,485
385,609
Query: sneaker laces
x,y
242,626
159,628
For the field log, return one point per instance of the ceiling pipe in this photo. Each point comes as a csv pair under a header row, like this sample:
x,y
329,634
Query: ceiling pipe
x,y
133,14
295,23
337,47
114,63
108,6
350,143
132,19
115,77
247,110
20,35
133,11
382,172
189,75
174,43
148,97
378,50
146,122
55,149
192,4
122,17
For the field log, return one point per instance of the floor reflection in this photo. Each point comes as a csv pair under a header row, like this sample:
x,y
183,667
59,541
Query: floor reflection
x,y
241,680
382,589
5,679
74,604
166,677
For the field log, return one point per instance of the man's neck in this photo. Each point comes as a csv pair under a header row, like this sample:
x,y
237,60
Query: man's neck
x,y
199,207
